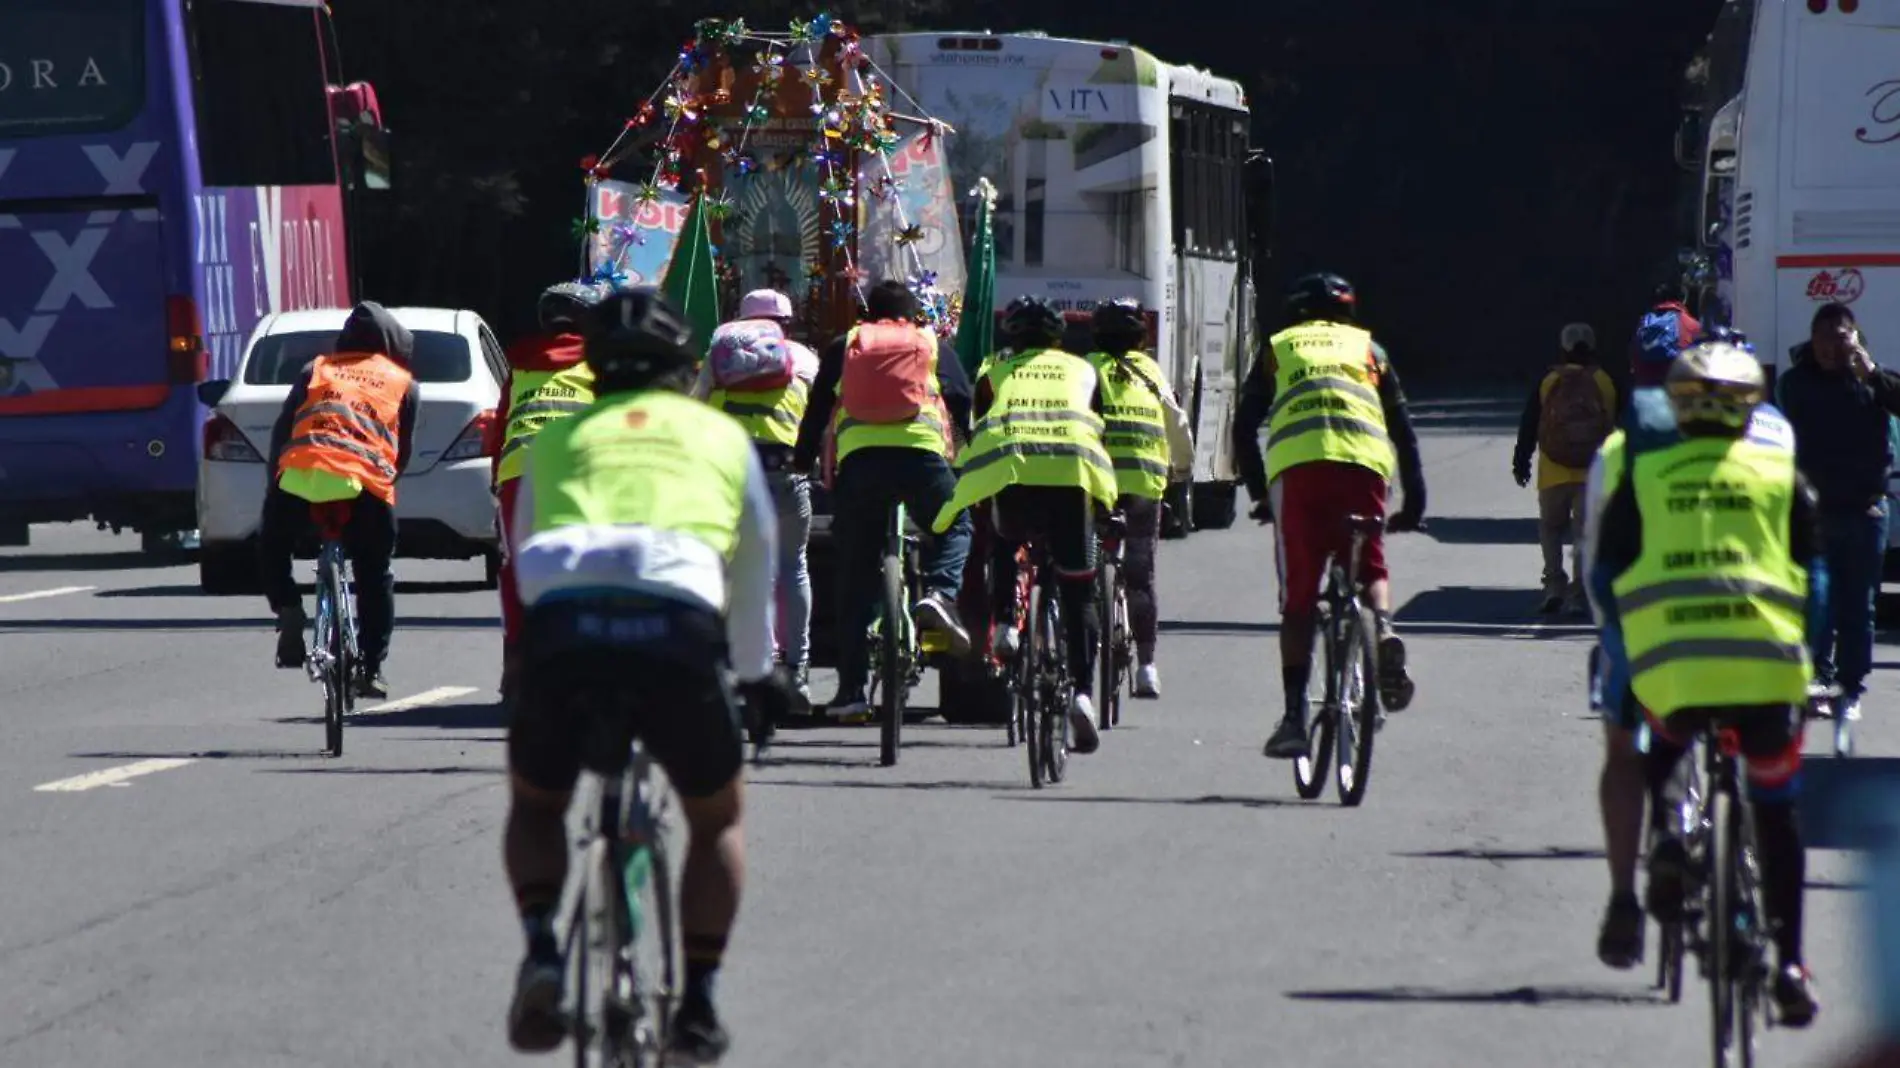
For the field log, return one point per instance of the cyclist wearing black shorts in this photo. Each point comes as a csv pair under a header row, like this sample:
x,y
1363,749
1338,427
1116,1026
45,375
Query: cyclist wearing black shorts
x,y
645,558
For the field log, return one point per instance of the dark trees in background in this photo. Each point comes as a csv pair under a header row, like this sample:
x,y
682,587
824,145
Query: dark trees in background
x,y
1485,170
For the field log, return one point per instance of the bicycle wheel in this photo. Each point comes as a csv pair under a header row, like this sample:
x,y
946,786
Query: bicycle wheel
x,y
1359,716
1108,667
1029,690
599,1025
1309,771
329,635
653,980
349,651
1057,688
1722,932
893,672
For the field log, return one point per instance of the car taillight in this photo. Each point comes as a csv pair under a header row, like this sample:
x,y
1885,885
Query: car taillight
x,y
473,442
185,361
224,441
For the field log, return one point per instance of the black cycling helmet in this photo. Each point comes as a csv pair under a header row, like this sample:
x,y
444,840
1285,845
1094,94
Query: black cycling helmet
x,y
564,306
1118,320
637,335
1032,322
1321,296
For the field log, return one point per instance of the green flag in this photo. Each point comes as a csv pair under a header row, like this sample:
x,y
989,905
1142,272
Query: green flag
x,y
691,281
976,331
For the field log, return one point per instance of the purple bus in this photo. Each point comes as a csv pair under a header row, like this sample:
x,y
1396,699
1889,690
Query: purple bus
x,y
170,172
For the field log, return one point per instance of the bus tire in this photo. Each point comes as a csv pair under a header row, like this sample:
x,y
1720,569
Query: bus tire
x,y
1215,505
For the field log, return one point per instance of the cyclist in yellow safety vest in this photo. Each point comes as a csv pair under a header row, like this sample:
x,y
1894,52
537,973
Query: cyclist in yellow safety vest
x,y
771,417
1706,570
547,380
1337,427
1038,460
1149,442
892,398
644,552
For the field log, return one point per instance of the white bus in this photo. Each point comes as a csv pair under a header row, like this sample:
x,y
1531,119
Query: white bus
x,y
1117,175
1801,173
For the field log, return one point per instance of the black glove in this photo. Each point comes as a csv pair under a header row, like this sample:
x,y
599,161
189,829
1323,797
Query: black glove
x,y
768,701
1262,512
1406,519
1522,472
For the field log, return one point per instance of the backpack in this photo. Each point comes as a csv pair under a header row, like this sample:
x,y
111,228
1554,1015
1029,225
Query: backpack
x,y
1574,420
750,356
1665,331
888,374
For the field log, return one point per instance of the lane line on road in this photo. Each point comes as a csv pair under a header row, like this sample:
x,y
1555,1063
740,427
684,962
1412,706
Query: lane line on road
x,y
119,776
426,697
34,595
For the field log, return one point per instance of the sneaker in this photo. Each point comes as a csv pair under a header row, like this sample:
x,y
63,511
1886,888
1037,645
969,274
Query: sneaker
x,y
1395,686
1288,741
936,612
290,625
1148,682
850,706
1620,941
698,1037
1848,709
536,1023
1794,996
1007,644
1551,604
1083,736
1668,878
370,682
1576,605
801,689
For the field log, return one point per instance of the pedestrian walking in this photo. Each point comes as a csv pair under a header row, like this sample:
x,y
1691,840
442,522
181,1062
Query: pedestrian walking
x,y
1566,418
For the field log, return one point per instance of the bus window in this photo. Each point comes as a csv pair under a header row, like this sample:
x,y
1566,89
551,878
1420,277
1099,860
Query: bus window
x,y
263,116
70,66
1178,173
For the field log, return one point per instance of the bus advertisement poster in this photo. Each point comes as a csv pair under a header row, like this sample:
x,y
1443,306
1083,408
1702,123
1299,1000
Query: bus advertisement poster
x,y
636,235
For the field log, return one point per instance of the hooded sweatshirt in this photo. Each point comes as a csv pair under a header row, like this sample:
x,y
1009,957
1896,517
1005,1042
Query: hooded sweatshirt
x,y
370,328
1841,429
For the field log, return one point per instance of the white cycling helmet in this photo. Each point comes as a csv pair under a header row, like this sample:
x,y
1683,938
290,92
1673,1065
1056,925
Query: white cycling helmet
x,y
1715,384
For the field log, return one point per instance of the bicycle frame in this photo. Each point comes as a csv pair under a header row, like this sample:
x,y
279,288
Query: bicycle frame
x,y
332,653
1333,726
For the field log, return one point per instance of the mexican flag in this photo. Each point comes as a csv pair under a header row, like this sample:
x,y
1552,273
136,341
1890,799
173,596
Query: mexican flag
x,y
691,281
976,329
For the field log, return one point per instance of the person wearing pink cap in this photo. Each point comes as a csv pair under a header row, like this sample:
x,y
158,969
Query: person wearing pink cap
x,y
758,374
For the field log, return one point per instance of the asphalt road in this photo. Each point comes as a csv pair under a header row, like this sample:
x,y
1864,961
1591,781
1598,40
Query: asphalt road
x,y
227,896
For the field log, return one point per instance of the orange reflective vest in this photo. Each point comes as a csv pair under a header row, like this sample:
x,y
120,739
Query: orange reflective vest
x,y
347,425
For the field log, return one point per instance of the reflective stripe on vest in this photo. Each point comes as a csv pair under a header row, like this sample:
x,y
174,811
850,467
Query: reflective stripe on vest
x,y
654,459
1134,433
1714,610
771,416
536,399
1038,431
347,424
1326,401
930,430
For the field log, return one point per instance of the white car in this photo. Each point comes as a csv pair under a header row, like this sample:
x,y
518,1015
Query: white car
x,y
444,509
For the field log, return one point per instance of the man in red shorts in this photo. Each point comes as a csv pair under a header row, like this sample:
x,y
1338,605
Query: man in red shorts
x,y
1337,428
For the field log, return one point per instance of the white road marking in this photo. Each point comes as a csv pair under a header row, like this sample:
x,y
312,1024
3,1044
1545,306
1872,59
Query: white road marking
x,y
35,595
426,697
119,776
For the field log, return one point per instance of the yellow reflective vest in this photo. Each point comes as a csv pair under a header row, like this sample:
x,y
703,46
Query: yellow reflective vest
x,y
1039,431
770,416
1326,401
654,459
537,399
1713,612
1134,433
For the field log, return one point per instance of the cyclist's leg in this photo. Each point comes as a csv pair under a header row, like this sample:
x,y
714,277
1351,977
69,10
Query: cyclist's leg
x,y
1362,492
1620,803
1305,526
1071,532
285,515
792,493
544,759
1771,741
1669,739
857,524
929,485
371,540
1139,542
1007,537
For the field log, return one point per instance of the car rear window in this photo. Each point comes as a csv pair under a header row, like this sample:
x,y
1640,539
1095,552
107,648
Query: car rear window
x,y
277,359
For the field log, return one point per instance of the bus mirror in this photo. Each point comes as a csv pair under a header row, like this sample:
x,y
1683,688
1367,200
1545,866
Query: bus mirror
x,y
374,141
1260,203
210,393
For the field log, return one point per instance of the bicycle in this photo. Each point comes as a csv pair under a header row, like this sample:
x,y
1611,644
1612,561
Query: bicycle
x,y
1685,799
622,1006
1347,713
1044,691
1118,638
899,666
333,654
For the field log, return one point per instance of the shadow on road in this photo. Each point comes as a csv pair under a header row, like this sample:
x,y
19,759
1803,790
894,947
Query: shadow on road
x,y
487,715
1216,627
260,623
1520,995
1829,884
211,754
1470,416
868,784
127,561
1499,855
419,587
1208,799
1487,530
1486,611
345,769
